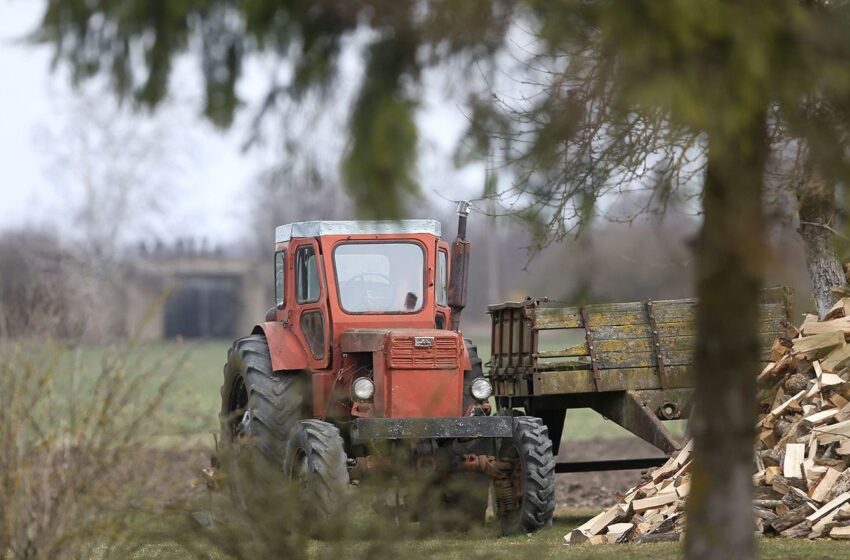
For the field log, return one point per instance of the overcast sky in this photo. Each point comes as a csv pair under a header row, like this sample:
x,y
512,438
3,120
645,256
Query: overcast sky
x,y
214,177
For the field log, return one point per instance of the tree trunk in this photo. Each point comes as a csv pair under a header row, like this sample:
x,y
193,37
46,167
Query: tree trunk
x,y
816,201
729,258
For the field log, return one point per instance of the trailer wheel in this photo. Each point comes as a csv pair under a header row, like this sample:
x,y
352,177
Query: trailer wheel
x,y
525,501
316,462
259,407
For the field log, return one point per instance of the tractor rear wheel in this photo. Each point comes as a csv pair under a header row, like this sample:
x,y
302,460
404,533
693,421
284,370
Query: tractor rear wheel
x,y
525,501
259,408
316,462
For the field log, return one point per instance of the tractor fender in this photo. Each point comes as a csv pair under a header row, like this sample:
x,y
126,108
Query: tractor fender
x,y
284,348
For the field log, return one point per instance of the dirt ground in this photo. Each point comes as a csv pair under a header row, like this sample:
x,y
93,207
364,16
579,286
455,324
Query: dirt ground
x,y
598,489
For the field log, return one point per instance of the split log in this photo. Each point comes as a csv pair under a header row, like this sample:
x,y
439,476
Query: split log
x,y
790,519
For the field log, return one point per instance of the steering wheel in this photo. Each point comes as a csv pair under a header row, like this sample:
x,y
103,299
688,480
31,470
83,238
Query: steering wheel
x,y
372,301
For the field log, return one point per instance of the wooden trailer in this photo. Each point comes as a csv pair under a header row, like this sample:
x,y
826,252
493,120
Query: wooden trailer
x,y
630,362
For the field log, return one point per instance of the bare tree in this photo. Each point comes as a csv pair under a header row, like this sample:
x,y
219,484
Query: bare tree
x,y
575,155
115,172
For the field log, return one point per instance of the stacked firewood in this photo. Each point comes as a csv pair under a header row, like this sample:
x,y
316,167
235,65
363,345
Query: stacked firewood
x,y
802,480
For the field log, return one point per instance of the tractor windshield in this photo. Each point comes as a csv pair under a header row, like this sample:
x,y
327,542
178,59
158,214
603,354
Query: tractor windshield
x,y
380,277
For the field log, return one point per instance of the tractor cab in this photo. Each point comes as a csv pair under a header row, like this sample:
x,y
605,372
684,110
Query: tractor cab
x,y
364,273
369,301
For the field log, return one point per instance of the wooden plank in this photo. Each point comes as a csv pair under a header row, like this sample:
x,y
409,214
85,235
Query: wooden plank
x,y
619,528
831,505
832,433
773,328
684,454
842,325
818,345
829,379
795,454
618,360
625,379
613,360
634,345
842,532
822,416
791,518
835,359
837,400
598,523
785,404
824,485
654,502
633,313
557,318
837,311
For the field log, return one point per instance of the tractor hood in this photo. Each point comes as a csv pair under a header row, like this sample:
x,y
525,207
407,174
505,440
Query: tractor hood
x,y
418,373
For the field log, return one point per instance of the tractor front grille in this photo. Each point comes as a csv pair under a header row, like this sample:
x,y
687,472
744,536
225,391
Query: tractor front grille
x,y
444,353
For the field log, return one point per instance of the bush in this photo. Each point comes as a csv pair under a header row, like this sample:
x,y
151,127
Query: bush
x,y
69,484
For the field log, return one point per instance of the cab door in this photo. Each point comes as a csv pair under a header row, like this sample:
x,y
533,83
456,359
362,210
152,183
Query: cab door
x,y
310,309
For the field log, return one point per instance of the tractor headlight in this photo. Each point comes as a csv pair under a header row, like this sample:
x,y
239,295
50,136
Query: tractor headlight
x,y
481,389
363,388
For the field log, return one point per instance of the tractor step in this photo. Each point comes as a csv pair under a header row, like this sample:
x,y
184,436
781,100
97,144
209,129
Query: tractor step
x,y
610,465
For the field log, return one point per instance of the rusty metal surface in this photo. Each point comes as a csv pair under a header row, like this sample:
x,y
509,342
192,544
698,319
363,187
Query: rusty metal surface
x,y
588,335
486,464
513,340
443,352
458,279
363,340
364,430
285,350
655,400
627,410
609,465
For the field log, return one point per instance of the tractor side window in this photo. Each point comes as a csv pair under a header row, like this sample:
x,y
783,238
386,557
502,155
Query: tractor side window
x,y
279,260
313,327
306,275
442,279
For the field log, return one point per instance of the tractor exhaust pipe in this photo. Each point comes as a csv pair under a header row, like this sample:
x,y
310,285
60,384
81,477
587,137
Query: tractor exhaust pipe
x,y
459,267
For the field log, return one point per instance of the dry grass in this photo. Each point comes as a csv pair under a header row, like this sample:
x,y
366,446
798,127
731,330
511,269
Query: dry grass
x,y
66,438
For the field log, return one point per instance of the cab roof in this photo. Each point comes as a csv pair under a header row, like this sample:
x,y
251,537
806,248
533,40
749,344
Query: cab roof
x,y
352,227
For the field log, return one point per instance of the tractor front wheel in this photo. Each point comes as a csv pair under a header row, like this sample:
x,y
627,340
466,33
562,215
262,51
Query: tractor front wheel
x,y
525,500
316,463
259,408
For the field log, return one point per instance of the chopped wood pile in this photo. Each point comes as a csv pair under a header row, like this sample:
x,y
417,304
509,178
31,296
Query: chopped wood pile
x,y
802,450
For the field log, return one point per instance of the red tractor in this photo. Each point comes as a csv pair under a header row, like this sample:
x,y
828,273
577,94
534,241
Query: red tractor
x,y
360,367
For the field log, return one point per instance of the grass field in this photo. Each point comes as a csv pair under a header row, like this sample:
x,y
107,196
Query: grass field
x,y
190,416
543,545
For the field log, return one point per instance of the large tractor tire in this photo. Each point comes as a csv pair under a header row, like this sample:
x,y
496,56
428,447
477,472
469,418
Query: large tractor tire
x,y
316,462
525,502
259,408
